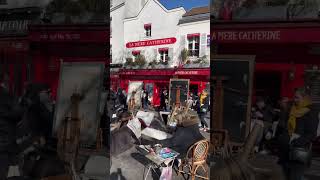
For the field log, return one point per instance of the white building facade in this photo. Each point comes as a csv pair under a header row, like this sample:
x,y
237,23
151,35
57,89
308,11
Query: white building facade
x,y
145,28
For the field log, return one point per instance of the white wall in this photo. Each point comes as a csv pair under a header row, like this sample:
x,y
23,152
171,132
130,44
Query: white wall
x,y
163,25
117,40
202,27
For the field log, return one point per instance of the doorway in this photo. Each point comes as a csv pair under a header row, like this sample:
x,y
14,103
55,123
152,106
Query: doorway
x,y
194,89
268,85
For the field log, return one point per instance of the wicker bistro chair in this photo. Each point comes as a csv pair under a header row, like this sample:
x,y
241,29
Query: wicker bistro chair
x,y
196,157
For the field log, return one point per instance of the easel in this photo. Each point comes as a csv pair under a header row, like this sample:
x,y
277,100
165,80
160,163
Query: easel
x,y
69,137
177,105
218,101
218,135
132,102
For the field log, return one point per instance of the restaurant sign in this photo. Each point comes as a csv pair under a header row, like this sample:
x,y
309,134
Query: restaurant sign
x,y
186,73
62,36
154,42
246,36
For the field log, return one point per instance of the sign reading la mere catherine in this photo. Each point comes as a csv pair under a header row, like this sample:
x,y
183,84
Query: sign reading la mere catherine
x,y
247,36
154,42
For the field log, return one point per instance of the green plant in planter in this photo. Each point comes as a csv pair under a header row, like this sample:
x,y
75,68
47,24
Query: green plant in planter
x,y
204,59
140,60
198,61
153,63
184,55
129,62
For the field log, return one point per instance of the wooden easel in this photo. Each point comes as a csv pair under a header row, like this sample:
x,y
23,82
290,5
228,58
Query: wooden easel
x,y
218,136
176,106
69,136
218,101
132,102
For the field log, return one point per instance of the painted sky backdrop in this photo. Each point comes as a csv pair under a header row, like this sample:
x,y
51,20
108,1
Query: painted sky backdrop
x,y
187,4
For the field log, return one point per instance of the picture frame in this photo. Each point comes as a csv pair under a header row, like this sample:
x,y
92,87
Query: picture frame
x,y
230,76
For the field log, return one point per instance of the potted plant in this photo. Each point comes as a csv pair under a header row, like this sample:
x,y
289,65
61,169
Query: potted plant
x,y
140,61
184,55
129,62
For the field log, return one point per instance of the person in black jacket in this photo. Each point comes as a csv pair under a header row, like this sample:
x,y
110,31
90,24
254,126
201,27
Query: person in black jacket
x,y
163,104
186,134
301,131
39,116
10,115
263,112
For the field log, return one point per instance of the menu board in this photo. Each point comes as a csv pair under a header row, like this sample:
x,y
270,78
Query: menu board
x,y
183,85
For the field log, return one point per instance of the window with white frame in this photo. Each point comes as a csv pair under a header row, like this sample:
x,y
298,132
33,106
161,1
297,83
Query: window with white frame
x,y
147,30
193,44
164,54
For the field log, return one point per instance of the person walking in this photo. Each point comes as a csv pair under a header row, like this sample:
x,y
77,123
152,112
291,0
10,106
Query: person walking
x,y
297,141
202,106
163,104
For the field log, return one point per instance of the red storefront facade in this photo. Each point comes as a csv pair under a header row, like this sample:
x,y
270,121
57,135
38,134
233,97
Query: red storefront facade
x,y
52,44
14,61
159,79
283,50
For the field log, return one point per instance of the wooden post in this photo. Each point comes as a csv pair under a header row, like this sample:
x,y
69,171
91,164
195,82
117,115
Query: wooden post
x,y
178,103
217,112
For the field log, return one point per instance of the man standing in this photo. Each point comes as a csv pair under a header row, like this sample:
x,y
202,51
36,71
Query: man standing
x,y
10,114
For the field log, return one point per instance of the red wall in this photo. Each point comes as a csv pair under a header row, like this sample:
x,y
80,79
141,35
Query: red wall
x,y
287,85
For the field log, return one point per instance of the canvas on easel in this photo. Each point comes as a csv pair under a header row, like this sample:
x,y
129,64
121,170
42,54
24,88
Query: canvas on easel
x,y
183,86
85,79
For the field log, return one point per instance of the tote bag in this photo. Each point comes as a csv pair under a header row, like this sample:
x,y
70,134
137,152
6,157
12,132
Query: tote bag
x,y
166,173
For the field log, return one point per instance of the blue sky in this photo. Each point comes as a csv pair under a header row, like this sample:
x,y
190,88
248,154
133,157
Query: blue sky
x,y
187,4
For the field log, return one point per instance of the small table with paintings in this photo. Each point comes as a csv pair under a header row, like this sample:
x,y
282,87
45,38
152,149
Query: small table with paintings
x,y
158,157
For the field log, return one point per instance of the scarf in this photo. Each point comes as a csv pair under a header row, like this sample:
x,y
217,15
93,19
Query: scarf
x,y
203,96
297,111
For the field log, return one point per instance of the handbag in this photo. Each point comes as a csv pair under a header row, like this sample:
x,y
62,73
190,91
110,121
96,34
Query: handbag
x,y
301,154
166,173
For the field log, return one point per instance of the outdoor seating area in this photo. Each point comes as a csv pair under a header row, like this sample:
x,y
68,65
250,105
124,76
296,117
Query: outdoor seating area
x,y
151,154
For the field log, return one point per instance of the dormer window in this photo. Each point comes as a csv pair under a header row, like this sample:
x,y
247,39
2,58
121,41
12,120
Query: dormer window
x,y
147,29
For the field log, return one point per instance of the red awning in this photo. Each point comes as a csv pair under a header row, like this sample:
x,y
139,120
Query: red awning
x,y
147,25
193,35
163,49
135,52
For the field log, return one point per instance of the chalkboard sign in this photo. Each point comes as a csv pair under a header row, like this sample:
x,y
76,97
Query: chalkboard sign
x,y
237,72
183,84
